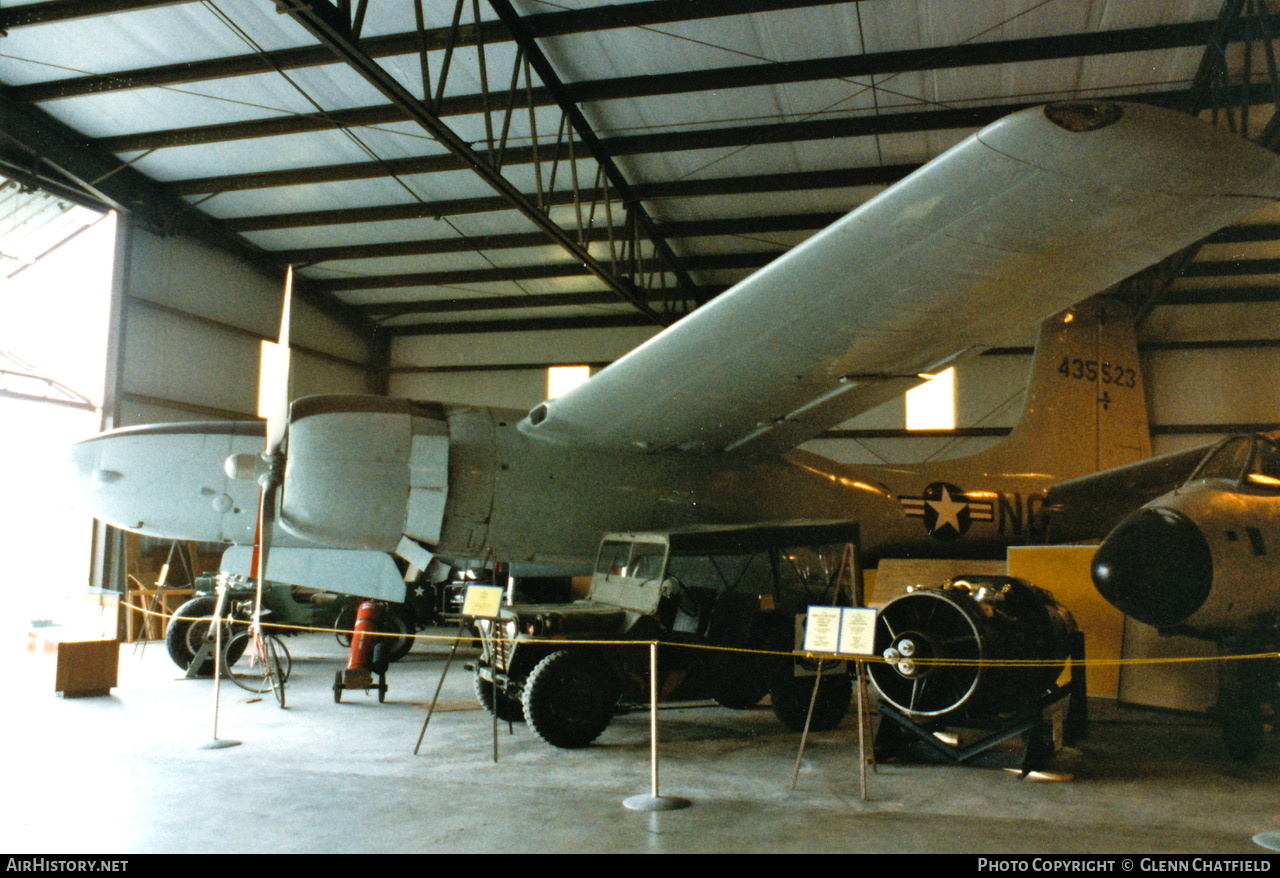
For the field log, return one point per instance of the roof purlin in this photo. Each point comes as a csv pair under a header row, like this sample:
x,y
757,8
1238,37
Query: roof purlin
x,y
1129,40
548,24
52,144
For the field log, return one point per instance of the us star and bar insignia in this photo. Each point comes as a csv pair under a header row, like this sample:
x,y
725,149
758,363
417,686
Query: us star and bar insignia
x,y
947,510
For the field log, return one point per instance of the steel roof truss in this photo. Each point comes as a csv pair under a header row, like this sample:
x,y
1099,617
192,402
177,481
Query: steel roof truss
x,y
629,275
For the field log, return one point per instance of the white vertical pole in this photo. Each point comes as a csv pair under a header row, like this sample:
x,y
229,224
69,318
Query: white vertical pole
x,y
654,801
653,717
219,608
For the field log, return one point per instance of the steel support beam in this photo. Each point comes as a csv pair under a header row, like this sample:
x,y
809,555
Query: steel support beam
x,y
526,40
750,75
65,10
550,24
670,141
537,324
326,24
434,246
457,305
716,262
537,271
788,182
43,147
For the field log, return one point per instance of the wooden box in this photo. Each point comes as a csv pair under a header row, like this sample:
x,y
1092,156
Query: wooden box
x,y
82,668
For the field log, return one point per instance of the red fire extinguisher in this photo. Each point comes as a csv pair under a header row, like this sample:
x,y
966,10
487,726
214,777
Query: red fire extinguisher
x,y
365,659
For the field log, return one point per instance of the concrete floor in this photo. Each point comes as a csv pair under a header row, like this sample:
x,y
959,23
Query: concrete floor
x,y
125,774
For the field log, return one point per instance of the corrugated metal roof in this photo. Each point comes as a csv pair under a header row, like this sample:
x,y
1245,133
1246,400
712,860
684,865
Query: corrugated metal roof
x,y
739,126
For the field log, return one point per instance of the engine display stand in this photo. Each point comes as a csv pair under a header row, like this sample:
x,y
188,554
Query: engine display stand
x,y
903,735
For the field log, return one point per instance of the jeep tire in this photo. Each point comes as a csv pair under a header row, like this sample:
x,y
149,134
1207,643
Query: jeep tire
x,y
570,698
791,695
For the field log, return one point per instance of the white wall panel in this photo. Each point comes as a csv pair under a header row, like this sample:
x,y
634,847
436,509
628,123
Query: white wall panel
x,y
553,347
1232,385
312,374
201,280
170,357
509,388
1258,320
194,319
133,411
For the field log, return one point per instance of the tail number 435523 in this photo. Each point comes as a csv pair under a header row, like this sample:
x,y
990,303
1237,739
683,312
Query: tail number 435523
x,y
1092,370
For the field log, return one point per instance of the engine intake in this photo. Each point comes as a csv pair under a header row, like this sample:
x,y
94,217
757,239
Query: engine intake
x,y
936,643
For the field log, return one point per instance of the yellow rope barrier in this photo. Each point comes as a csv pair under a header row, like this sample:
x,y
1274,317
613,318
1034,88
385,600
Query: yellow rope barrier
x,y
936,662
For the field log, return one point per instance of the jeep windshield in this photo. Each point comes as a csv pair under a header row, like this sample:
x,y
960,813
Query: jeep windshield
x,y
629,573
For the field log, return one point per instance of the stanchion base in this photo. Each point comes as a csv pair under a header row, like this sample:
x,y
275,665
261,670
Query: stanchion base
x,y
1268,840
656,803
218,744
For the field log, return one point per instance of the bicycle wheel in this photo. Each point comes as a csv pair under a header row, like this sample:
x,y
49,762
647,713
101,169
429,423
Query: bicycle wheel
x,y
263,665
278,665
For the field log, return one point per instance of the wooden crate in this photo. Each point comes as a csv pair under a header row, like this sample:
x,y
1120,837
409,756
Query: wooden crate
x,y
81,668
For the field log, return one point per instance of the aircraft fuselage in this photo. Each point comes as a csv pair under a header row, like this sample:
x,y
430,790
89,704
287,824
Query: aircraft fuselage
x,y
534,501
1201,560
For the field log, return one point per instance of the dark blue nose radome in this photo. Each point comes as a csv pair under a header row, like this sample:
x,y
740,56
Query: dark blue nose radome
x,y
1155,566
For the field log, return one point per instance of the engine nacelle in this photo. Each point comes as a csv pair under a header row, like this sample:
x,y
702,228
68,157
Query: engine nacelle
x,y
364,470
936,642
168,481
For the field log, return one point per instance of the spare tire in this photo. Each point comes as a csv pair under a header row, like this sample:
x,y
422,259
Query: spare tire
x,y
188,629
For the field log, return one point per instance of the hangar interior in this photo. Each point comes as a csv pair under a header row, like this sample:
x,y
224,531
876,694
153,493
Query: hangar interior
x,y
473,192
236,143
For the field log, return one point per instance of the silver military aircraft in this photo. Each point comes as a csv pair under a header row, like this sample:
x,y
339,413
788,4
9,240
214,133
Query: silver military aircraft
x,y
1201,561
1028,217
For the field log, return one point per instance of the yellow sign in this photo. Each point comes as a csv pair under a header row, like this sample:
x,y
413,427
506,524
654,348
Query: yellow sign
x,y
482,601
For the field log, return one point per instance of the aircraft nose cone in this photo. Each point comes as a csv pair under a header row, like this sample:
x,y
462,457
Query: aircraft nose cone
x,y
1155,566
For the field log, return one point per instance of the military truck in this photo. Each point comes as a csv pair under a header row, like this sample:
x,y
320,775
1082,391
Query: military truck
x,y
569,668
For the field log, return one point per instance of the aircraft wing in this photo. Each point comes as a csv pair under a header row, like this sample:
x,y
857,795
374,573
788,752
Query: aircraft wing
x,y
372,575
1089,506
1028,216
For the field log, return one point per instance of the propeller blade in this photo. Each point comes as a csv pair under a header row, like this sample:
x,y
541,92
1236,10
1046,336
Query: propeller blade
x,y
276,368
262,545
263,532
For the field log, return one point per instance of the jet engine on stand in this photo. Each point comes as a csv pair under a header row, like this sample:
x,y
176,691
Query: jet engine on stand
x,y
978,654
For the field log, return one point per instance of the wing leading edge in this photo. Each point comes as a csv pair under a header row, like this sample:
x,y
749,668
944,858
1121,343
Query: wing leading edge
x,y
1028,216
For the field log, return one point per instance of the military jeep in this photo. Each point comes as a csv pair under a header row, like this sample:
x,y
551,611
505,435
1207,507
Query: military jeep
x,y
568,668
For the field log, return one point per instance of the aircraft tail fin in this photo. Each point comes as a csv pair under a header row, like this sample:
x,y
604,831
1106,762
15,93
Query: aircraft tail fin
x,y
1086,406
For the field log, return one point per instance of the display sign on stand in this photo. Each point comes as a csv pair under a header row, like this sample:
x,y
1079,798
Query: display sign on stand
x,y
482,601
845,632
842,631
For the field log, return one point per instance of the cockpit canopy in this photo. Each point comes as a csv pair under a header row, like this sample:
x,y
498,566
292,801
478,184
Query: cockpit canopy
x,y
1248,462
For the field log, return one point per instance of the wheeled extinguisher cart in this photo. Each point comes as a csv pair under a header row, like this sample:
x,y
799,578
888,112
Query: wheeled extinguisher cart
x,y
368,654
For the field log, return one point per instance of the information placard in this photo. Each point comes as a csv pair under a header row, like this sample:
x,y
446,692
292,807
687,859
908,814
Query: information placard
x,y
482,601
822,630
847,631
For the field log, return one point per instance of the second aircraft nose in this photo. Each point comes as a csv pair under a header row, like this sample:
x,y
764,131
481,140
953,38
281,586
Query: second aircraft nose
x,y
1155,566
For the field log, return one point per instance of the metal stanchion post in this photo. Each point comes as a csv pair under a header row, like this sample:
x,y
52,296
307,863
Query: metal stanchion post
x,y
218,743
439,685
866,715
654,801
804,735
859,666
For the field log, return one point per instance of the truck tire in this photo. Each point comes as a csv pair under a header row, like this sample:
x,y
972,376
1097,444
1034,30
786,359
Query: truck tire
x,y
510,710
397,619
187,630
740,682
570,698
791,696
